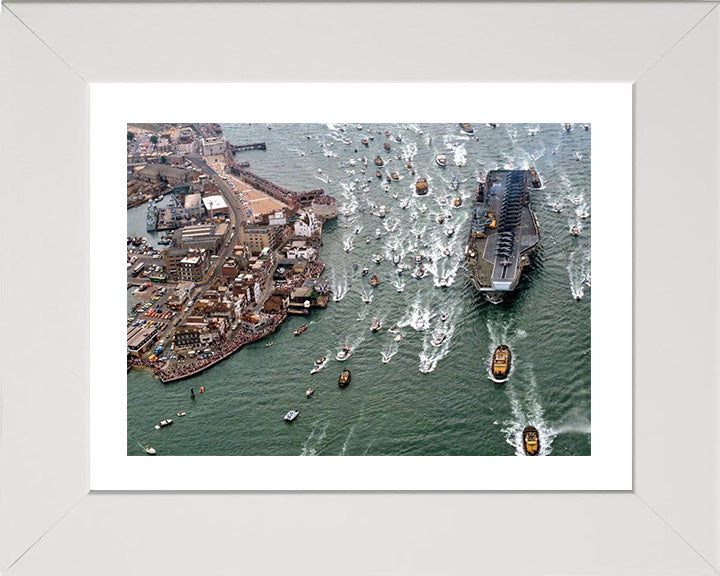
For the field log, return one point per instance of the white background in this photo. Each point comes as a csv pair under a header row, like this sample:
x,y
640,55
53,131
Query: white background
x,y
608,107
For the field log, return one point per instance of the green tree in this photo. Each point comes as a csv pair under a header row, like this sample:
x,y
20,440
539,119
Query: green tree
x,y
130,136
154,139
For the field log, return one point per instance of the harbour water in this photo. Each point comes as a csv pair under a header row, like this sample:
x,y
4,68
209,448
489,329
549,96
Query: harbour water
x,y
407,397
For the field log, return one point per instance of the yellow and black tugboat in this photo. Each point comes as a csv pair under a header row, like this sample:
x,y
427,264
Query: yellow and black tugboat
x,y
531,441
500,365
344,379
421,187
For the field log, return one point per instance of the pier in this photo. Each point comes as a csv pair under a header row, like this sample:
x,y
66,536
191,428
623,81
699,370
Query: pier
x,y
243,147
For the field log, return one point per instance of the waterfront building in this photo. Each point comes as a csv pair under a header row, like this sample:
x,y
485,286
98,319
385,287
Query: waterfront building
x,y
213,146
216,206
140,339
299,250
307,224
201,237
194,206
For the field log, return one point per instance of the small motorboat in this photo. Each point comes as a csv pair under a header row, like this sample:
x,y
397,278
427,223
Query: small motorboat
x,y
181,414
291,415
404,203
378,173
379,162
382,211
493,124
467,128
586,127
557,207
457,201
344,354
149,450
500,364
531,441
440,218
378,233
398,337
400,269
443,317
423,208
300,329
441,160
367,299
364,142
396,259
398,138
386,146
455,183
443,282
344,378
583,215
364,272
568,127
575,230
309,392
419,273
449,230
395,176
374,280
376,325
386,187
163,423
354,266
447,252
320,360
421,186
438,339
418,258
394,329
408,165
377,258
578,156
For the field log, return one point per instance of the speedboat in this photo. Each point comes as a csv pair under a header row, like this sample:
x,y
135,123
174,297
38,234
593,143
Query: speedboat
x,y
400,269
181,414
441,160
440,218
531,441
344,378
500,364
377,258
291,415
317,368
449,230
423,208
557,207
150,450
309,392
376,325
419,273
382,212
455,183
367,299
404,203
396,259
467,128
575,230
163,423
344,354
365,272
438,339
300,329
443,282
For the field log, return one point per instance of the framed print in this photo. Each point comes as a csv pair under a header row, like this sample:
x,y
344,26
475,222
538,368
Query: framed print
x,y
56,59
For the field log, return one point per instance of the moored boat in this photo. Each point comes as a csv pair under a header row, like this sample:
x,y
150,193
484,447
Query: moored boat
x,y
300,329
344,378
163,423
291,415
531,441
500,365
421,186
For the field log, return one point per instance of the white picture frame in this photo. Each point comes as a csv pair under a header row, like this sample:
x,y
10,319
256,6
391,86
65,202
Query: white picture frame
x,y
50,523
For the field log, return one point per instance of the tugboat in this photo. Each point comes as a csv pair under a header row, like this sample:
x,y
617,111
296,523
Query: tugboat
x,y
163,423
531,441
344,354
421,187
300,329
291,415
501,359
374,280
344,379
375,326
441,160
379,161
467,128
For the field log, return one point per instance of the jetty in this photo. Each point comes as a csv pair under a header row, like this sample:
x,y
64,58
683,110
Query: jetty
x,y
243,147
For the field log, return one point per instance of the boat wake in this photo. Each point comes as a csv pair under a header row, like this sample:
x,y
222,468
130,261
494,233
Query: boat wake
x,y
579,272
388,352
313,442
527,411
347,439
339,289
348,243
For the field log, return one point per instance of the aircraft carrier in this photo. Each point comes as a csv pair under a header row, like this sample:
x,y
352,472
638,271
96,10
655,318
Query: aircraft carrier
x,y
504,231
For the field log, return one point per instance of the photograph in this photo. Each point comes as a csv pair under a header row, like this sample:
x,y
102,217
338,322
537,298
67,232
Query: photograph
x,y
352,289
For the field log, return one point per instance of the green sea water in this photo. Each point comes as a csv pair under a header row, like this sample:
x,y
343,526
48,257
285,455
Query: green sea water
x,y
424,399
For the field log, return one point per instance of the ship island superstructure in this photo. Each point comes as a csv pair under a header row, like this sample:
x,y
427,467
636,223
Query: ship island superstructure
x,y
504,231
